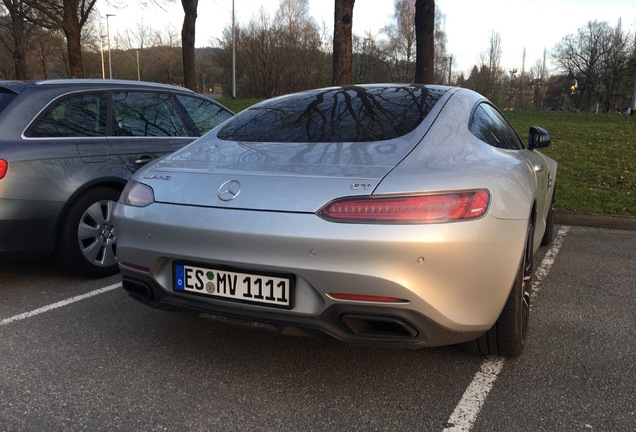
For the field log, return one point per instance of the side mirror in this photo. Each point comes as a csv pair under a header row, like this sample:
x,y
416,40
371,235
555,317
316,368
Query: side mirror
x,y
538,138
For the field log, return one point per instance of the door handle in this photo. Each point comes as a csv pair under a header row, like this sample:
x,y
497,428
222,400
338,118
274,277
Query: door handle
x,y
143,160
538,168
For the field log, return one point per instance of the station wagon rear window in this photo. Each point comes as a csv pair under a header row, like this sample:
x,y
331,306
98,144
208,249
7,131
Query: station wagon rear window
x,y
347,114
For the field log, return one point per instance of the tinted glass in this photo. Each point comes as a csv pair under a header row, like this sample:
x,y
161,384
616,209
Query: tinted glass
x,y
74,116
491,127
146,114
205,114
349,114
5,98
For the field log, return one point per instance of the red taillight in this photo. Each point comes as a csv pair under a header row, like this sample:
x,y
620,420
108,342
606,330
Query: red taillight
x,y
366,298
4,167
436,208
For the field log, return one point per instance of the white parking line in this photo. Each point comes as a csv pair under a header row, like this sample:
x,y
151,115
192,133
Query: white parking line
x,y
59,304
467,410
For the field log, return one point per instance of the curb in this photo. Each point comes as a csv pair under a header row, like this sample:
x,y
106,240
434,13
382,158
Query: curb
x,y
595,220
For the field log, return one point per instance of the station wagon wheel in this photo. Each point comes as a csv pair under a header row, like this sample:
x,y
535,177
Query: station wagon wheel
x,y
87,241
507,337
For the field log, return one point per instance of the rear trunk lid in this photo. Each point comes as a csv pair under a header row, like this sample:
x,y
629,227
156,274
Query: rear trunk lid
x,y
298,152
290,177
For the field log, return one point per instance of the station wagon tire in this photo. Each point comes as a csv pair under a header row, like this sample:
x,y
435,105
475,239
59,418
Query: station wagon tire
x,y
507,337
87,241
548,236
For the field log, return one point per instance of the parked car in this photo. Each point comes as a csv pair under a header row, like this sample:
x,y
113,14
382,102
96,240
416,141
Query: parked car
x,y
397,214
67,148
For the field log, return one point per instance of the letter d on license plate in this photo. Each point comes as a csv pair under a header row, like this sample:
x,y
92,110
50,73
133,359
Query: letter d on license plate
x,y
227,284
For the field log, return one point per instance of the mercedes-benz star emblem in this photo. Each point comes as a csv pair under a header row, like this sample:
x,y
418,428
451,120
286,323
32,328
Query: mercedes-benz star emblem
x,y
229,190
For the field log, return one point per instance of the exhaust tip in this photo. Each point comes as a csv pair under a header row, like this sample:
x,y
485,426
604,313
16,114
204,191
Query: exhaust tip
x,y
379,326
138,290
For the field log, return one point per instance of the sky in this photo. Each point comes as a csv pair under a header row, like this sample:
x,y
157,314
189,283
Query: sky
x,y
531,24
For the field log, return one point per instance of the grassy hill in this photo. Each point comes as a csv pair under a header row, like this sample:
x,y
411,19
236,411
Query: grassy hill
x,y
596,155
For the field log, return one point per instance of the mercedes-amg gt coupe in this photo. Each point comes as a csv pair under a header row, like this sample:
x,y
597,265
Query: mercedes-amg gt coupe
x,y
404,215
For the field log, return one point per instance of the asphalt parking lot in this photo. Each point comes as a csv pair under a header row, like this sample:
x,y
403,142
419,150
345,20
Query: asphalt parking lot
x,y
79,355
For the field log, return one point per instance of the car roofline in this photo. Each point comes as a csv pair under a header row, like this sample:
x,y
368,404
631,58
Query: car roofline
x,y
110,82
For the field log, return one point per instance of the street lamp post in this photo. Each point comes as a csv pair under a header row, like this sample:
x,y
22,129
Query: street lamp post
x,y
110,64
101,45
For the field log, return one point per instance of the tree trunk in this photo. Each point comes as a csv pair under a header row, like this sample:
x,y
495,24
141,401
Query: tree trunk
x,y
187,43
425,41
74,46
342,45
72,30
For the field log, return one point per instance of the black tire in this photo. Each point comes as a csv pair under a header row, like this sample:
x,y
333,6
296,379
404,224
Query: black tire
x,y
507,337
87,243
548,235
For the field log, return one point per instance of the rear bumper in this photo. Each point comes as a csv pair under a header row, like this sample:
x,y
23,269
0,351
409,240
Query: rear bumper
x,y
352,323
454,278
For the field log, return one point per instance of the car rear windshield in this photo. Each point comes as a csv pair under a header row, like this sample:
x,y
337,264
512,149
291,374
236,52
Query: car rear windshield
x,y
6,96
343,114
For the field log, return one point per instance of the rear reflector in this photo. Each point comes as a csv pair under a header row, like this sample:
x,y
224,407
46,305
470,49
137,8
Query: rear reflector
x,y
4,167
366,298
447,207
135,267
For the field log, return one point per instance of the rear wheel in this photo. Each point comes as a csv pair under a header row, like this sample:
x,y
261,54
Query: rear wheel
x,y
87,242
507,337
548,235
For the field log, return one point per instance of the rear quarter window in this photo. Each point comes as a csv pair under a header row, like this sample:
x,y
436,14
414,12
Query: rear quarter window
x,y
74,116
205,114
6,97
347,114
490,126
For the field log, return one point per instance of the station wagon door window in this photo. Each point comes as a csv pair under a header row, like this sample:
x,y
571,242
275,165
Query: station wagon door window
x,y
490,126
146,114
205,114
82,115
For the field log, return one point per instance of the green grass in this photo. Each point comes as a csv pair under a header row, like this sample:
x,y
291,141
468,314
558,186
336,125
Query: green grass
x,y
237,105
596,155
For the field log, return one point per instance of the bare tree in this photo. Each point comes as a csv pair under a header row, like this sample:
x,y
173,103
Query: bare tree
x,y
135,43
442,61
342,42
490,73
70,16
48,46
14,36
167,54
401,40
425,34
279,55
598,58
298,39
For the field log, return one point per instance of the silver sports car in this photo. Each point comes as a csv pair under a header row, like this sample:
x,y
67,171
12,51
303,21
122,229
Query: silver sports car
x,y
393,214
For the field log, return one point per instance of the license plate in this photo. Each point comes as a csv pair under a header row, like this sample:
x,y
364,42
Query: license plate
x,y
228,284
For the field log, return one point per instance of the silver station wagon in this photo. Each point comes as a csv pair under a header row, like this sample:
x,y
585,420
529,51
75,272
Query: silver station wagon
x,y
67,148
